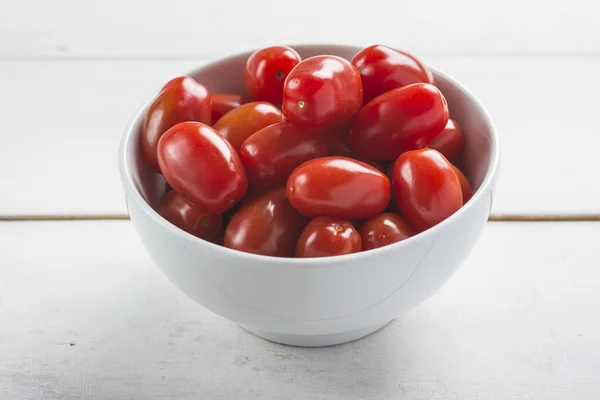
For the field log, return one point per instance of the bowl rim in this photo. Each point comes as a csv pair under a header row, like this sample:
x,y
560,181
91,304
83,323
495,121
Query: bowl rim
x,y
134,194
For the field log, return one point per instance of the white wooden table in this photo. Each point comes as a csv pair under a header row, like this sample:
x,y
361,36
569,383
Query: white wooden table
x,y
85,315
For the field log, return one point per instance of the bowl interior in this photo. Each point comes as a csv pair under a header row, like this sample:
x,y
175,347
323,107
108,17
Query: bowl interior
x,y
226,76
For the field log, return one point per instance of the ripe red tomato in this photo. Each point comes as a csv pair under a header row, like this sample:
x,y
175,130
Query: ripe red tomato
x,y
384,229
383,69
180,212
222,103
272,153
202,166
427,188
465,186
397,121
238,124
338,187
322,92
266,70
181,99
449,141
324,237
268,225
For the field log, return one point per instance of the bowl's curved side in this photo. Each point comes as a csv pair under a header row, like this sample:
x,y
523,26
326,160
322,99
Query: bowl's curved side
x,y
315,296
343,297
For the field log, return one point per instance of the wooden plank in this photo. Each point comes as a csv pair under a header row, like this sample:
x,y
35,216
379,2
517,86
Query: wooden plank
x,y
62,124
62,121
87,316
71,28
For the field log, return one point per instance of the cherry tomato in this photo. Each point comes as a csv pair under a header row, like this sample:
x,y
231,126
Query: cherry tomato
x,y
181,99
325,237
322,92
397,121
465,186
222,103
427,189
384,229
449,141
338,187
383,69
272,153
266,70
202,166
238,124
268,225
180,212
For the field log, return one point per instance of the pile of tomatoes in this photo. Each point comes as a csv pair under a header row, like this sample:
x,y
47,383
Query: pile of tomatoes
x,y
324,157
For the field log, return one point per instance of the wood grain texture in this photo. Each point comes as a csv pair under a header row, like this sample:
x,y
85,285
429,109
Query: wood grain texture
x,y
117,28
87,316
62,121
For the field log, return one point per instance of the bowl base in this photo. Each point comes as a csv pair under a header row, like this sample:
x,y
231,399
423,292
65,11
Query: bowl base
x,y
316,340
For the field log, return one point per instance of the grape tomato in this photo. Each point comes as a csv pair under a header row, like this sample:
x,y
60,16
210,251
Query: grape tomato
x,y
338,187
325,237
240,123
181,99
201,165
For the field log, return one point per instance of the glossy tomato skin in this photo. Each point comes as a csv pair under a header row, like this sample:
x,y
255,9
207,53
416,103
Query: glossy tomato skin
x,y
266,70
268,225
403,119
181,99
180,212
271,154
426,187
222,103
240,123
326,237
449,141
383,69
384,229
338,187
465,186
372,163
322,92
202,166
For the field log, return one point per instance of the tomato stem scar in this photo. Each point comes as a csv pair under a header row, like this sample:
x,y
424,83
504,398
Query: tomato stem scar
x,y
338,228
301,104
279,75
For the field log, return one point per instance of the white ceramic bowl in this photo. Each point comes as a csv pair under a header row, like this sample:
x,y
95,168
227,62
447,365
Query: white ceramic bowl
x,y
314,302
